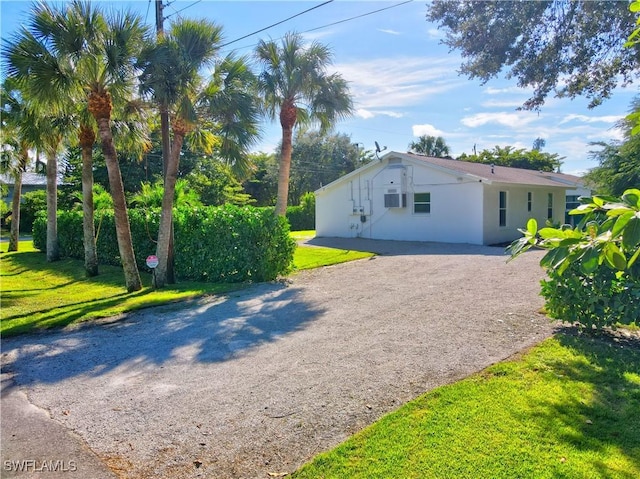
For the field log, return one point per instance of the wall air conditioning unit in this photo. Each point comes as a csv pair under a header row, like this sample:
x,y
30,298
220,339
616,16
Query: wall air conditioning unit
x,y
394,180
394,198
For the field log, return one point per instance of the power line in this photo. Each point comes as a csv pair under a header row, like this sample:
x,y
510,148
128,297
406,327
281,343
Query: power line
x,y
275,24
178,11
358,16
323,26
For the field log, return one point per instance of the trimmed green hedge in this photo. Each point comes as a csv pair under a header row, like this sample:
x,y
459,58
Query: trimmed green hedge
x,y
215,244
303,217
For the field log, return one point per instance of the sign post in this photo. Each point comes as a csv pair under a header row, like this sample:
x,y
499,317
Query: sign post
x,y
152,262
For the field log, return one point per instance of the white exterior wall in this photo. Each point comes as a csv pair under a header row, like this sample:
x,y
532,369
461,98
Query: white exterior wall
x,y
456,206
517,209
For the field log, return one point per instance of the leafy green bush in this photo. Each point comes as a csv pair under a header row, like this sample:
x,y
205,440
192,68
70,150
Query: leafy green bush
x,y
216,244
303,217
32,203
593,269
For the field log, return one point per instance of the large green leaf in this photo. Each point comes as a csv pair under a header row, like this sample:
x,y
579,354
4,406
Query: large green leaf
x,y
614,257
621,223
632,198
532,226
590,260
551,233
631,233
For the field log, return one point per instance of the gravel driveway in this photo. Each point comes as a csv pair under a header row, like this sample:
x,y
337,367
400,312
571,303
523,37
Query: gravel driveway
x,y
260,381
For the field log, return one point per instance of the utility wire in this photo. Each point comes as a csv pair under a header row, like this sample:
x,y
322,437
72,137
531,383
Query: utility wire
x,y
358,16
322,26
275,24
178,11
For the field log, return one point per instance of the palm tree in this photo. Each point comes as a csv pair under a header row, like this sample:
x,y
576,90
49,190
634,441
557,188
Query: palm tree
x,y
170,74
230,105
73,55
15,151
430,146
296,86
44,131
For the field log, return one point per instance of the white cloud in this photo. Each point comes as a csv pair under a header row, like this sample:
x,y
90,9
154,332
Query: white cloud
x,y
385,84
511,120
390,32
591,119
506,90
426,129
367,114
435,34
502,103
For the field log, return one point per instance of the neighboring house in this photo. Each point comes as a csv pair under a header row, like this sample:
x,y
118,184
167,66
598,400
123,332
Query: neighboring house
x,y
30,182
410,197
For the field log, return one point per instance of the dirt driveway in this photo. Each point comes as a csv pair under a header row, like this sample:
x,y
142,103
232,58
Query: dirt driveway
x,y
262,380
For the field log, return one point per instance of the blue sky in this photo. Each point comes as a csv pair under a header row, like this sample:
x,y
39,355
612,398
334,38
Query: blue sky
x,y
403,81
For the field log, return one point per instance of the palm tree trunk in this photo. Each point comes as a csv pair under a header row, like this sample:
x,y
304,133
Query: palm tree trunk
x,y
87,139
166,218
166,158
123,230
53,251
15,212
287,121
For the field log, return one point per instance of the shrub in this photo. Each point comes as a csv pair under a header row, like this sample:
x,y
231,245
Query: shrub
x,y
216,244
593,269
303,217
31,204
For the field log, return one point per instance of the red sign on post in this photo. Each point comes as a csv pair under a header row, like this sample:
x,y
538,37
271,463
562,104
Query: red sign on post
x,y
152,261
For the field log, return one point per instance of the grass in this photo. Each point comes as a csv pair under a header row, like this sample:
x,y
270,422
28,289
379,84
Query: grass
x,y
37,295
566,409
317,256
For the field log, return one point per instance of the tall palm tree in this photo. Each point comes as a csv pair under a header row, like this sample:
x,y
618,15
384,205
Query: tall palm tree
x,y
73,54
229,106
296,86
15,151
430,146
33,128
170,74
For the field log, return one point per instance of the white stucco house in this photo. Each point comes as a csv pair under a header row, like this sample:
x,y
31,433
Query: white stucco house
x,y
404,196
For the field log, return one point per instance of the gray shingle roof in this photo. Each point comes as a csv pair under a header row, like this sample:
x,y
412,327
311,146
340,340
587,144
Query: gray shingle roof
x,y
497,174
28,178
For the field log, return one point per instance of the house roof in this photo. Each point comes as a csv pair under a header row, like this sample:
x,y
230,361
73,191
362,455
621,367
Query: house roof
x,y
477,171
28,179
497,174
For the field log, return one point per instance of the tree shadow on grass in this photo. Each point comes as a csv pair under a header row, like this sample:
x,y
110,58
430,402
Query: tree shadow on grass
x,y
61,316
606,416
207,333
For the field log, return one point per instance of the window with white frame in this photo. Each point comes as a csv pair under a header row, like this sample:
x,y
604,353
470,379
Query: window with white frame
x,y
422,203
549,205
502,209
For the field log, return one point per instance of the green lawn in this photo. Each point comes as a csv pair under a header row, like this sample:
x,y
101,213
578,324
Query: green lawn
x,y
569,408
37,295
317,256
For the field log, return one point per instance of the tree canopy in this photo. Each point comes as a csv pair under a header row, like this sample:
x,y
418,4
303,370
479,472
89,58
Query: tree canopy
x,y
296,86
619,161
430,146
319,159
516,158
569,48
